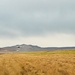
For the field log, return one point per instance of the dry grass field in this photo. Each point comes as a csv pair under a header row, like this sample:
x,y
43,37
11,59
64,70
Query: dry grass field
x,y
38,63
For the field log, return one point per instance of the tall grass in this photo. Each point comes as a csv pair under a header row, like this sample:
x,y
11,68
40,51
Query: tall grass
x,y
38,63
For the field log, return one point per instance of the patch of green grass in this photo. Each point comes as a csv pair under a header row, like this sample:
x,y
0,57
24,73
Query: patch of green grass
x,y
52,52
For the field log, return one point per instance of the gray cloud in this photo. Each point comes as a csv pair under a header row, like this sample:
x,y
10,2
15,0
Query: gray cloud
x,y
34,17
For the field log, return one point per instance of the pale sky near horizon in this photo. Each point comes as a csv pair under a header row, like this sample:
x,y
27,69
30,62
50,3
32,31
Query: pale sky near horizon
x,y
37,22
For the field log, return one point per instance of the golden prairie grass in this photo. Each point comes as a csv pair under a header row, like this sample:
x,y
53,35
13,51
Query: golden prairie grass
x,y
38,63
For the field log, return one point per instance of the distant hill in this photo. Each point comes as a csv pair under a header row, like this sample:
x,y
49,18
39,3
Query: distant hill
x,y
29,48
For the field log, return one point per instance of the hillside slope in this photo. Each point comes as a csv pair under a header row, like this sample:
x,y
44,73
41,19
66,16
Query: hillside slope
x,y
31,48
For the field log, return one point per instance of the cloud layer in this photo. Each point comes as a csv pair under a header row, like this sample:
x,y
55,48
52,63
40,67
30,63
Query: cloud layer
x,y
36,17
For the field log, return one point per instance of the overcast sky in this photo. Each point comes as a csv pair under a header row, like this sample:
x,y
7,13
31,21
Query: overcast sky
x,y
37,22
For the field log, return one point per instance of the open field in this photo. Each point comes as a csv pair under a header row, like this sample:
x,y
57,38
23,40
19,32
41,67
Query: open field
x,y
38,63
